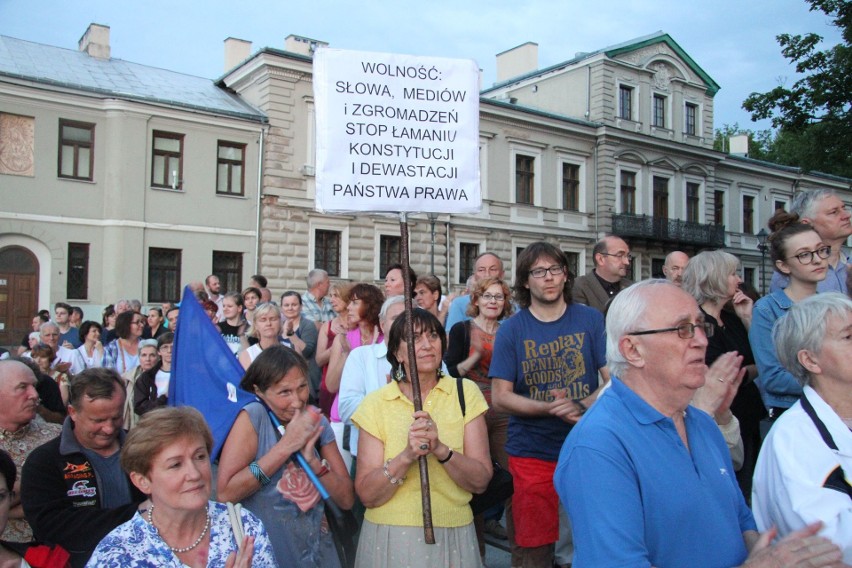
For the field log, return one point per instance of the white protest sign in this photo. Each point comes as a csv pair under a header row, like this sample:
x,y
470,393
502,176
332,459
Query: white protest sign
x,y
396,132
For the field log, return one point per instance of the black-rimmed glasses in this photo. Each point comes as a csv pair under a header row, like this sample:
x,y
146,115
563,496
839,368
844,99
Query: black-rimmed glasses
x,y
555,270
807,257
684,330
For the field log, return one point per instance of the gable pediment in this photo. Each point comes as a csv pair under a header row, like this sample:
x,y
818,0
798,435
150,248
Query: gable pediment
x,y
665,163
665,59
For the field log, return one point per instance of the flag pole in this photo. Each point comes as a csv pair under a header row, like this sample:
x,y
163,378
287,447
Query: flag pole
x,y
429,532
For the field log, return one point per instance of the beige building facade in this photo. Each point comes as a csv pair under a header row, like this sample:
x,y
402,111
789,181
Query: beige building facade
x,y
618,140
118,181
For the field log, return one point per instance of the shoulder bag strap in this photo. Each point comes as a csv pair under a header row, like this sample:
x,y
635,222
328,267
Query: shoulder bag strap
x,y
837,478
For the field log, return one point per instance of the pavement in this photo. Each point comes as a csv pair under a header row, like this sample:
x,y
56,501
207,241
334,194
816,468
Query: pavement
x,y
497,553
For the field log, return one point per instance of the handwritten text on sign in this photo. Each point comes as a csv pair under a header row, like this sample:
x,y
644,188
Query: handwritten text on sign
x,y
396,133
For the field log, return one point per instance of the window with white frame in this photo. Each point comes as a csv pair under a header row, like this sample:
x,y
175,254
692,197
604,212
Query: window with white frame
x,y
690,121
76,149
467,260
524,179
661,197
328,245
625,102
693,201
390,252
570,186
167,160
748,213
718,207
230,168
658,118
525,174
627,191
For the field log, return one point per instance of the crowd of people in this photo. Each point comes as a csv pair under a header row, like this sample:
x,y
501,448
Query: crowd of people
x,y
670,422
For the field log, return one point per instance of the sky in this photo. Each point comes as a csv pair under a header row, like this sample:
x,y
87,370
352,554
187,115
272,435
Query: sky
x,y
732,40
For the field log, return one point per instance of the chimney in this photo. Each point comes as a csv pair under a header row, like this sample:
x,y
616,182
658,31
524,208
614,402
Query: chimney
x,y
302,45
236,51
95,42
517,61
738,145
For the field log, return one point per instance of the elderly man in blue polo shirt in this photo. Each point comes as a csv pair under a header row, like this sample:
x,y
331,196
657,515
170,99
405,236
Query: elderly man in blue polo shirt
x,y
647,479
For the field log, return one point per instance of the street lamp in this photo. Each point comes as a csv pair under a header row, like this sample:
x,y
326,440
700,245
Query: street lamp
x,y
762,247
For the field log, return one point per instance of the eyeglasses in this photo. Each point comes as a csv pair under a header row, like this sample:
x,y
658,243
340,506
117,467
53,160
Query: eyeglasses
x,y
620,256
807,257
555,270
684,330
138,322
494,297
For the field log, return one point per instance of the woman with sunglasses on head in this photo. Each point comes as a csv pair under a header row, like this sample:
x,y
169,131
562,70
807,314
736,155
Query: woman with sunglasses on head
x,y
798,252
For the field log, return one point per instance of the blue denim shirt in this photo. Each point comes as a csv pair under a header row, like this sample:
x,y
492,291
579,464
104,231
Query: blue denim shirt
x,y
778,387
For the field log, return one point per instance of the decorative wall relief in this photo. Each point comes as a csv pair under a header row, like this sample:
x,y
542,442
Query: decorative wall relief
x,y
17,145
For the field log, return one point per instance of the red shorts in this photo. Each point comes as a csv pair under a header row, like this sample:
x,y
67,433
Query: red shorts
x,y
535,505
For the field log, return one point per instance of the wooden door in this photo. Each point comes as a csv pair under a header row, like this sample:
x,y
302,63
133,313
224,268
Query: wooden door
x,y
18,293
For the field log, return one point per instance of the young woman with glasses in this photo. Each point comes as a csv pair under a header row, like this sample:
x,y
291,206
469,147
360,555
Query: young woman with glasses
x,y
468,355
122,354
798,252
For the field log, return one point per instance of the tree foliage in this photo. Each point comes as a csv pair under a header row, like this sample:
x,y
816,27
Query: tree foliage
x,y
760,142
814,115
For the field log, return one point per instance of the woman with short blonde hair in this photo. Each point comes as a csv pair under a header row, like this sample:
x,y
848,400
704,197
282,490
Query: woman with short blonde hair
x,y
167,456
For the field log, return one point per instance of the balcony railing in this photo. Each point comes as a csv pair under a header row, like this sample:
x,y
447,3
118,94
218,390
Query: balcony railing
x,y
668,230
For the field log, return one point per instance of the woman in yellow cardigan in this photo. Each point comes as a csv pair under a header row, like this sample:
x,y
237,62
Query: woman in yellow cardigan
x,y
392,439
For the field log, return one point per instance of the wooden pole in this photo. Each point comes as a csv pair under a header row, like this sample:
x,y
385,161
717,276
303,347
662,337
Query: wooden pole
x,y
429,532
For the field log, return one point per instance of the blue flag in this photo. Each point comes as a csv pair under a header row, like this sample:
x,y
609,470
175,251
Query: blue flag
x,y
205,373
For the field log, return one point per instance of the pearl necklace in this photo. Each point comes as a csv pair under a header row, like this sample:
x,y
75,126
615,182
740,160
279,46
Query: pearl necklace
x,y
186,548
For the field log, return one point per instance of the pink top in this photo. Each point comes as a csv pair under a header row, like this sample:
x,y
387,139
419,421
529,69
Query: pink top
x,y
354,339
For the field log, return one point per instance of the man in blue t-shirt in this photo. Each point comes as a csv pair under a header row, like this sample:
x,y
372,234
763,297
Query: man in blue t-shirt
x,y
545,375
646,478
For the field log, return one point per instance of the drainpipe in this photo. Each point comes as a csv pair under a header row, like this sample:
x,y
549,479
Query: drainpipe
x,y
259,203
595,162
447,251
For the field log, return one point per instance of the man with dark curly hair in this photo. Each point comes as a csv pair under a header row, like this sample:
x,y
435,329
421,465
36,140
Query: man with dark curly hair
x,y
544,372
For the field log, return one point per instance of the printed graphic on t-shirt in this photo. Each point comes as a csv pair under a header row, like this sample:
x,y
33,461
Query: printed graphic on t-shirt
x,y
554,367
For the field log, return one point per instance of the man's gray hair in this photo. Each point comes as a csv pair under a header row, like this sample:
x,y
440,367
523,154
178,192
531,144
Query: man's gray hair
x,y
627,313
315,277
46,325
805,202
388,303
804,327
135,305
706,275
